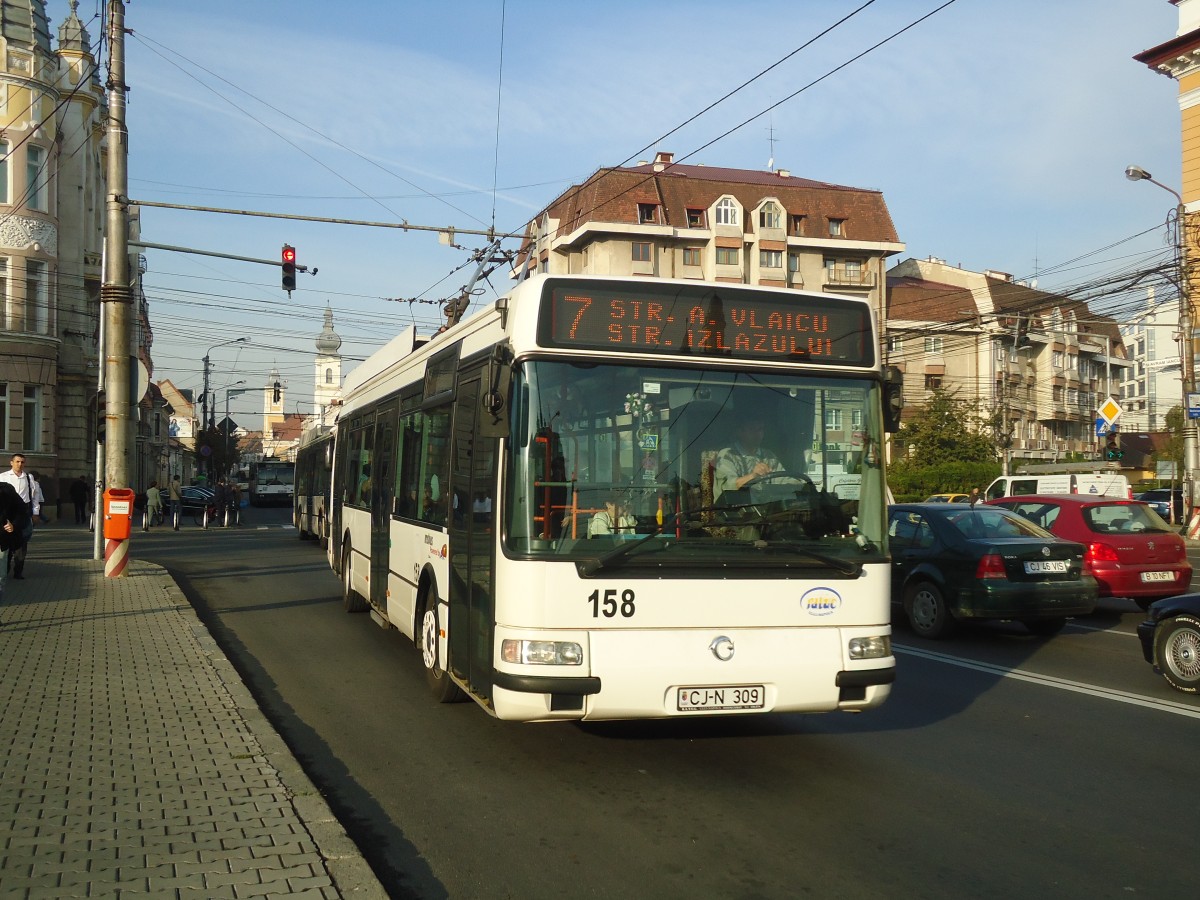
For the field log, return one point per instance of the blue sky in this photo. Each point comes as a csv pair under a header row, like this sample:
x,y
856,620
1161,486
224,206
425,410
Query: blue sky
x,y
998,133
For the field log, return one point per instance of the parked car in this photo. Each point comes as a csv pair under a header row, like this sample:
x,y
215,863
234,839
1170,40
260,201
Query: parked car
x,y
193,498
1131,551
948,498
1163,499
1171,640
952,562
1103,482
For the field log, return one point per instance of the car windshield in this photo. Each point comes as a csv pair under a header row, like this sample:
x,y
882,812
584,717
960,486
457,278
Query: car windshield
x,y
663,459
1124,518
986,522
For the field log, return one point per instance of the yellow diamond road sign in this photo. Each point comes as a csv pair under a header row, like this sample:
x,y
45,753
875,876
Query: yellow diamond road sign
x,y
1109,410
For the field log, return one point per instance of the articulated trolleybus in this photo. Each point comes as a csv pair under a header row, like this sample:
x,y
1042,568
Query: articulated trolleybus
x,y
556,500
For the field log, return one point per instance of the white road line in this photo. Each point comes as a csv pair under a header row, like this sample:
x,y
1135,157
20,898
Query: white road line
x,y
1062,684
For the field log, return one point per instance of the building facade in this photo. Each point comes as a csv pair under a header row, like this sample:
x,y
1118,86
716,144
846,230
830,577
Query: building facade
x,y
1151,385
669,220
1043,363
52,117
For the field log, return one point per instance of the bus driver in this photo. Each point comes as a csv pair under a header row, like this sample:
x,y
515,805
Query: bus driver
x,y
746,460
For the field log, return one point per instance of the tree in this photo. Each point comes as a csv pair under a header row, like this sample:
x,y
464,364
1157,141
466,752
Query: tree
x,y
945,430
1173,452
215,453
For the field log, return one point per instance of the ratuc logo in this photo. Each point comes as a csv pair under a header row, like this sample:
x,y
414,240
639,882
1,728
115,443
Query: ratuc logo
x,y
821,601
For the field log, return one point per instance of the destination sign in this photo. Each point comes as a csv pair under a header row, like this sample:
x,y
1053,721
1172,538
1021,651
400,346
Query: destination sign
x,y
706,320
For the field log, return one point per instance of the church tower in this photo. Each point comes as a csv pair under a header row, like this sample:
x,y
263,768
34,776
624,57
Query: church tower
x,y
327,378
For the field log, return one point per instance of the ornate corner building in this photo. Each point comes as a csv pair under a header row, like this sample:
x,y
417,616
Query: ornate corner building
x,y
52,156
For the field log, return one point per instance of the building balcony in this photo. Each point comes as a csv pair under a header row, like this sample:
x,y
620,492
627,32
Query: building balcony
x,y
843,277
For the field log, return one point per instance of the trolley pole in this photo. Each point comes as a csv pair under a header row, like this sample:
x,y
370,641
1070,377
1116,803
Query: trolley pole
x,y
116,297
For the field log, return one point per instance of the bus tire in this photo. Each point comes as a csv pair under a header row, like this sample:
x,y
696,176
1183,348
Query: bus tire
x,y
440,684
352,600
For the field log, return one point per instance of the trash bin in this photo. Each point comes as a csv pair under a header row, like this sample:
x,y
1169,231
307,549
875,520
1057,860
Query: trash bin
x,y
118,513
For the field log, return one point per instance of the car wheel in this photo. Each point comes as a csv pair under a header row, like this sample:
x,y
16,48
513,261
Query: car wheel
x,y
352,600
927,612
1177,652
444,690
1046,627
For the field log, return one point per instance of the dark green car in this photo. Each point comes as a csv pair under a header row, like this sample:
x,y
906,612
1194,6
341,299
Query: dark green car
x,y
952,562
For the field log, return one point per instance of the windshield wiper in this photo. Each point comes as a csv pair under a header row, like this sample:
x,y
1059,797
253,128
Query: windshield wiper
x,y
845,566
592,566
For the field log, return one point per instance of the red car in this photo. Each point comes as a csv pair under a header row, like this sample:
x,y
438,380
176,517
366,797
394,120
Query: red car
x,y
1131,551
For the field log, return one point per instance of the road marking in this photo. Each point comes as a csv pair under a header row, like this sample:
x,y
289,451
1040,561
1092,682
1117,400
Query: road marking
x,y
1062,684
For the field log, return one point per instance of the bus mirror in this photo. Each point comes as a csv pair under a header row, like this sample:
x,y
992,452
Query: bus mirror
x,y
493,419
893,398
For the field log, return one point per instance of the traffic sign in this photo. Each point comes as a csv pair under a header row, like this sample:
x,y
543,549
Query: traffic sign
x,y
1109,410
1102,427
1193,402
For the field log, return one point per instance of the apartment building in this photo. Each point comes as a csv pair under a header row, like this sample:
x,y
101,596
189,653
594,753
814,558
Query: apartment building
x,y
1151,385
670,220
1043,362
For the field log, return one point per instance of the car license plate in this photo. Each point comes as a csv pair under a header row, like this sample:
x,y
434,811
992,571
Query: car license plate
x,y
733,696
1158,576
1045,565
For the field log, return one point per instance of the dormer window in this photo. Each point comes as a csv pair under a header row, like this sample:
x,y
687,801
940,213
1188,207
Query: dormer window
x,y
836,227
796,224
770,216
647,213
727,212
695,218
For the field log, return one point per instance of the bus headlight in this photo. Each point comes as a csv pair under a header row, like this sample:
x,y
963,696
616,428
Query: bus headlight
x,y
873,647
542,653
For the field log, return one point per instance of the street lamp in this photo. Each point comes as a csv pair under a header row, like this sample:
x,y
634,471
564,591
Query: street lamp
x,y
1187,349
228,392
209,413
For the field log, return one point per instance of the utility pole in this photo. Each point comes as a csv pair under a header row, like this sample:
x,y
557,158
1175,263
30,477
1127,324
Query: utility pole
x,y
116,297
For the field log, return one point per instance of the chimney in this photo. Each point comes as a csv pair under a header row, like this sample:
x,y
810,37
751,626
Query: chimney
x,y
783,173
662,159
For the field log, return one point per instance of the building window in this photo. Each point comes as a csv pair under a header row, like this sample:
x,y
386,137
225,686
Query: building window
x,y
770,216
835,227
933,345
727,212
641,251
853,271
4,148
37,303
329,376
648,213
770,259
691,256
1057,393
933,382
833,420
1056,359
793,262
6,317
1001,354
856,419
36,180
32,429
895,344
727,256
695,218
3,414
796,224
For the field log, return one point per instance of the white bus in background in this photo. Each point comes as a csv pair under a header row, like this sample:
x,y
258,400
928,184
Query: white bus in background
x,y
272,482
473,474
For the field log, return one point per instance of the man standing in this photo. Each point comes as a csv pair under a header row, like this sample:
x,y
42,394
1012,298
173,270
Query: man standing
x,y
80,492
24,486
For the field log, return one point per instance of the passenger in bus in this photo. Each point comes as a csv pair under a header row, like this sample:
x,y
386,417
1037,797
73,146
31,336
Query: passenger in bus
x,y
611,520
747,459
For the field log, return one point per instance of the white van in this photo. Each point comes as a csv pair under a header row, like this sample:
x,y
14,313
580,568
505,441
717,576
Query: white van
x,y
1101,483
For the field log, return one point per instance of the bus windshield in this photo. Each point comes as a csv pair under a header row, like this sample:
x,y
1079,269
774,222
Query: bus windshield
x,y
652,466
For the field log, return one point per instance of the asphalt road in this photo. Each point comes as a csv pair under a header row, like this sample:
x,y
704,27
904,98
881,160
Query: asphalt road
x,y
1003,765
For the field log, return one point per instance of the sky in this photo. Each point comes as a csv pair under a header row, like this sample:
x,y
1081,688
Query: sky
x,y
998,132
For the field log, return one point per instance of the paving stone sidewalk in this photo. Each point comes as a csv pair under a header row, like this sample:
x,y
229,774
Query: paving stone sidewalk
x,y
133,760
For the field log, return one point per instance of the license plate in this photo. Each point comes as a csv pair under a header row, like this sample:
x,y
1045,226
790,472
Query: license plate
x,y
1045,565
1158,576
731,696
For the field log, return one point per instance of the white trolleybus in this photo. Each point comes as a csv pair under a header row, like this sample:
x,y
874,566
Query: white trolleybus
x,y
546,498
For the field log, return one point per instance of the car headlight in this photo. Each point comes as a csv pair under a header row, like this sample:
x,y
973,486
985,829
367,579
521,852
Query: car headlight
x,y
542,653
873,647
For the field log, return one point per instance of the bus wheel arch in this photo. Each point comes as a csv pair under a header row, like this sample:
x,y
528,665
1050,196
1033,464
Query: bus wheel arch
x,y
352,600
428,631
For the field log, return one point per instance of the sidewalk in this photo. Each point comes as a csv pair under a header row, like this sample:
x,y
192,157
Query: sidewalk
x,y
134,761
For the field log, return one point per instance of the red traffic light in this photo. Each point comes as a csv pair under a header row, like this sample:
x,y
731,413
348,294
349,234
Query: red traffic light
x,y
289,254
289,268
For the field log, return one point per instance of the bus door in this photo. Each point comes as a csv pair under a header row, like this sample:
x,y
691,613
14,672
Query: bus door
x,y
471,526
382,489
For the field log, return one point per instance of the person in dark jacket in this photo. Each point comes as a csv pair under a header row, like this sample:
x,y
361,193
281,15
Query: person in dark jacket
x,y
80,491
14,516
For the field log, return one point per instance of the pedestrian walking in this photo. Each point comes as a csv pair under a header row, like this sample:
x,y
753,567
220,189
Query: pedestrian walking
x,y
153,506
80,492
39,499
24,485
13,516
175,496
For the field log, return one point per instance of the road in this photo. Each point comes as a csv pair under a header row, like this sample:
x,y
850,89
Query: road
x,y
1003,765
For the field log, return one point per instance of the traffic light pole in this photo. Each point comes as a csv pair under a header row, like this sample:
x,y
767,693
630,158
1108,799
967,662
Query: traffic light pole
x,y
116,297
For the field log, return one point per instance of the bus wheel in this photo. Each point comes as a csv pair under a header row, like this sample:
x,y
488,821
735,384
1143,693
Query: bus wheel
x,y
444,690
352,600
